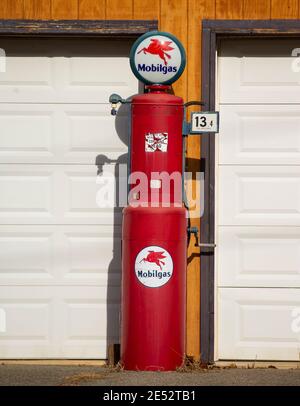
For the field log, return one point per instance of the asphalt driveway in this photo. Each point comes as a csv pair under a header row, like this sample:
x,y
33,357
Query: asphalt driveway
x,y
40,375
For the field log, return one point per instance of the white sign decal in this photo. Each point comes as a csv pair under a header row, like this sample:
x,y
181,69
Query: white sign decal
x,y
153,266
205,121
156,142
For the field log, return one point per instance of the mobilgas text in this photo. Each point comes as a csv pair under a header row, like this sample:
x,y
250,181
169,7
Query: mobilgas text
x,y
142,67
153,274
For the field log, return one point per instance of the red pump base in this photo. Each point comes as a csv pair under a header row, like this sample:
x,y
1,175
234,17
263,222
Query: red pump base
x,y
153,288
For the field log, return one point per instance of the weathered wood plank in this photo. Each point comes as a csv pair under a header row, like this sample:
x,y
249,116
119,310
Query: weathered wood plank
x,y
37,9
198,10
257,9
119,9
91,9
64,9
104,28
174,20
284,9
11,9
146,9
229,9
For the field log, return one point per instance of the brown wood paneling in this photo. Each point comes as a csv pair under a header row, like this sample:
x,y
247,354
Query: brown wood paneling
x,y
198,9
64,9
257,9
284,9
174,20
229,9
37,9
91,9
119,10
11,9
146,9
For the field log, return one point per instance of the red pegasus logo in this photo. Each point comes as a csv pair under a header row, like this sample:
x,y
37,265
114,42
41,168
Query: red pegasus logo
x,y
159,48
155,257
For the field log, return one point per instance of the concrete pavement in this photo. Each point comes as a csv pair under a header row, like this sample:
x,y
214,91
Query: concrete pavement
x,y
57,375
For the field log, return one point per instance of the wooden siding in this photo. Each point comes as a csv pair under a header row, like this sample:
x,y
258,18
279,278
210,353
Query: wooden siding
x,y
183,19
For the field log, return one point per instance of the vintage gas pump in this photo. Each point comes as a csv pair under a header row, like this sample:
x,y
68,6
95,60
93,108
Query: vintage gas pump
x,y
154,231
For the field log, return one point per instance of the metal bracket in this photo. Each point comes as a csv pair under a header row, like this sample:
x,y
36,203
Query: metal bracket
x,y
186,125
186,128
194,103
115,100
195,231
206,245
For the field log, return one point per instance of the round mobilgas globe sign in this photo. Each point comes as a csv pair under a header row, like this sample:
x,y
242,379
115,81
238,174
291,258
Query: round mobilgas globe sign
x,y
153,266
157,58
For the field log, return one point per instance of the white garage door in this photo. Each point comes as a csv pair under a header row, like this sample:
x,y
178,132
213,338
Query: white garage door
x,y
59,252
258,201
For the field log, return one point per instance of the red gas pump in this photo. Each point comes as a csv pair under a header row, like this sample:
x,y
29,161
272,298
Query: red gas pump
x,y
154,233
154,241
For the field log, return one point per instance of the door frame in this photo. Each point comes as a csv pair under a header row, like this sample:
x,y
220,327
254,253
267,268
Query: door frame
x,y
212,31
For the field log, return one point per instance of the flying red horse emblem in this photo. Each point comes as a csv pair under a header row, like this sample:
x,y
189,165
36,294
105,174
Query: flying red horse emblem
x,y
155,257
159,48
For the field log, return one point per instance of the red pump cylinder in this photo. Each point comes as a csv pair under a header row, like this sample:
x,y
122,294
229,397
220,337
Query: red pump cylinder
x,y
154,242
153,303
156,145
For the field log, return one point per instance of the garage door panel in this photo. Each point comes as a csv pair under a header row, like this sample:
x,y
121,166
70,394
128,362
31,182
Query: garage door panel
x,y
61,133
87,262
60,255
50,316
33,336
253,71
36,72
66,80
259,256
259,195
99,72
91,313
80,196
259,134
57,194
26,193
93,80
26,255
90,199
60,229
92,131
25,132
90,337
34,314
258,324
60,73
